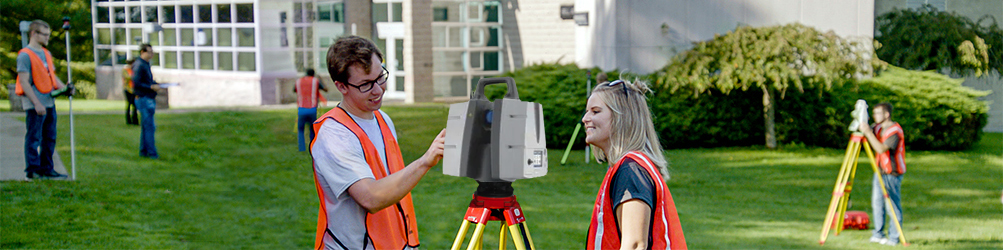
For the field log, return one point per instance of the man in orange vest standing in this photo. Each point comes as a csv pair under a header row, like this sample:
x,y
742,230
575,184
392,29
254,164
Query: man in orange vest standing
x,y
363,185
36,78
888,142
307,96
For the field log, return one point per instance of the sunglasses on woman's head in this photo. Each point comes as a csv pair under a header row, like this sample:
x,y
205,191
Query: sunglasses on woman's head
x,y
614,83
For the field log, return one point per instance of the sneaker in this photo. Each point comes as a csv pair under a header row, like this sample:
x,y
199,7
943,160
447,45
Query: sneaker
x,y
879,240
889,242
51,175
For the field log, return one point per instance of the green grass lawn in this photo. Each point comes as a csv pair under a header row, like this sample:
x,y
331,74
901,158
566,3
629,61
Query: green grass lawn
x,y
235,180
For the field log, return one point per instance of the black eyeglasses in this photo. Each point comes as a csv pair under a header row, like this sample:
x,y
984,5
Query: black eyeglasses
x,y
614,83
368,86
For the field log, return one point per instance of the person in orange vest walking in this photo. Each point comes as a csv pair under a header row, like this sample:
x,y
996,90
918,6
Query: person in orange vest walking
x,y
633,209
307,91
36,78
130,97
888,141
363,185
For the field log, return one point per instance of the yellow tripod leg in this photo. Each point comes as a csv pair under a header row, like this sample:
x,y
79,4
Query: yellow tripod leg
x,y
845,201
518,232
888,201
501,236
834,202
475,240
460,235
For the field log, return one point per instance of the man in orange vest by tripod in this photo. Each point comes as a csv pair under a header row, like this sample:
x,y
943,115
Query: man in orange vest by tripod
x,y
888,142
36,78
363,185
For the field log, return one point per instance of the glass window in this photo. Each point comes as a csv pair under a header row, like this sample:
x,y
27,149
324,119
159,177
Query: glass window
x,y
170,59
187,37
245,61
155,60
104,36
300,61
447,61
338,14
455,35
399,44
155,39
475,59
151,14
307,12
119,14
135,14
477,36
225,61
492,36
102,15
473,11
245,13
224,37
491,12
120,38
205,60
400,83
205,13
135,36
245,37
324,12
121,57
491,61
170,37
439,36
187,60
446,11
187,13
298,38
204,37
223,13
398,9
104,56
168,14
450,86
298,13
379,12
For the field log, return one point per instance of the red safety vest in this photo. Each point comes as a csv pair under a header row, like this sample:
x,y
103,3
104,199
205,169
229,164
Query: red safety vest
x,y
393,227
666,233
884,159
44,78
307,93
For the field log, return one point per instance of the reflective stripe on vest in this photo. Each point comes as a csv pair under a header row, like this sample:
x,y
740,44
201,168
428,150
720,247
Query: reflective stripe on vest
x,y
666,233
884,159
306,92
42,76
393,227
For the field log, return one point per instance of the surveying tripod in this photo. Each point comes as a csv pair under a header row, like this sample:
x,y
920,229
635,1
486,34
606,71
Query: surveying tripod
x,y
844,183
494,201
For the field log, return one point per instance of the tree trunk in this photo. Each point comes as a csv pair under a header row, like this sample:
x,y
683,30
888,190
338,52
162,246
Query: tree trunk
x,y
768,110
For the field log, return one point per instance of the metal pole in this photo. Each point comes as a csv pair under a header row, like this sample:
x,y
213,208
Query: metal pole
x,y
69,80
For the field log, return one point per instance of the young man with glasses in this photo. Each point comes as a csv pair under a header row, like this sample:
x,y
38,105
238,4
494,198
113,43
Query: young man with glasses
x,y
358,168
36,79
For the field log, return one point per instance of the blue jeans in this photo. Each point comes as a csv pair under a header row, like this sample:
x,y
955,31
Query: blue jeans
x,y
894,186
306,118
147,145
41,132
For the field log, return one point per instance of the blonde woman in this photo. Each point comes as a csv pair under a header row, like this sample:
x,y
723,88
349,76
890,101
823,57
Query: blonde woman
x,y
633,209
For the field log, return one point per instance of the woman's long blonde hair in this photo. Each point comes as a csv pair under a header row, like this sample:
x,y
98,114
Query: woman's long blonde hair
x,y
631,117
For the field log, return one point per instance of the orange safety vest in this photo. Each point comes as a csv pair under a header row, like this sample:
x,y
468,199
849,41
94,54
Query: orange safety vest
x,y
666,233
128,80
884,159
393,227
307,93
44,80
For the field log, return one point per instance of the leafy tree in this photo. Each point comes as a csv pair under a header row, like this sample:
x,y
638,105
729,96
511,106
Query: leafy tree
x,y
929,39
772,59
51,11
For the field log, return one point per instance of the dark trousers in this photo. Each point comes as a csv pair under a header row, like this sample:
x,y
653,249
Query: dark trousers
x,y
40,141
131,113
306,118
147,146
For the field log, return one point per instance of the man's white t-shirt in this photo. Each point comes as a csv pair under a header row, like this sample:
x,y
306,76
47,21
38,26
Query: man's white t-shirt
x,y
340,162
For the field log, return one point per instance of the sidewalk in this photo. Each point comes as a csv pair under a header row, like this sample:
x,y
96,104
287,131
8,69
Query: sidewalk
x,y
12,131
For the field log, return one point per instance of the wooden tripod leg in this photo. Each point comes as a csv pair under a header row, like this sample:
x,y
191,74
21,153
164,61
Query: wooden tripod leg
x,y
848,187
460,235
888,200
836,193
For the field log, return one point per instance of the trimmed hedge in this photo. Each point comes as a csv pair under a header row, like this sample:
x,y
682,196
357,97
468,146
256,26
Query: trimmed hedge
x,y
935,111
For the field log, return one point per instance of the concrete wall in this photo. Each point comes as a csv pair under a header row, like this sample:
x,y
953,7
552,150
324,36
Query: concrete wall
x,y
642,36
535,33
418,83
211,89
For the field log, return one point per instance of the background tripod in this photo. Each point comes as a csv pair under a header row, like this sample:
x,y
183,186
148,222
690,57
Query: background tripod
x,y
494,201
844,183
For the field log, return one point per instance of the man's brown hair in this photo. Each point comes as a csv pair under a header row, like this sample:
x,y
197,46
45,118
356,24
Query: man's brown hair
x,y
348,51
37,25
885,106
